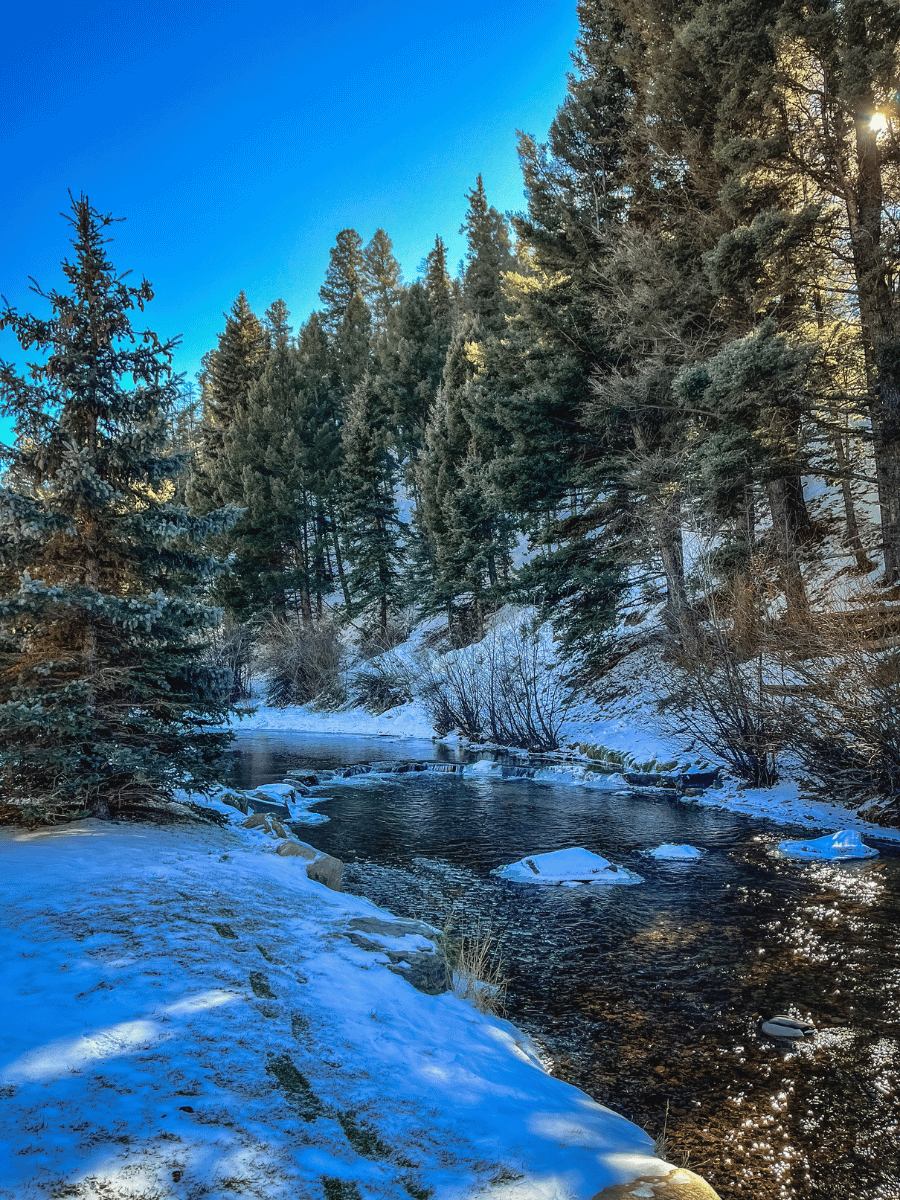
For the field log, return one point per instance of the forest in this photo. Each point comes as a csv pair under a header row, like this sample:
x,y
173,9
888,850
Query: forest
x,y
669,386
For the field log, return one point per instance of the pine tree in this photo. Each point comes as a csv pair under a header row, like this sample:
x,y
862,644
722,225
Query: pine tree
x,y
370,510
106,702
228,374
343,279
489,255
380,277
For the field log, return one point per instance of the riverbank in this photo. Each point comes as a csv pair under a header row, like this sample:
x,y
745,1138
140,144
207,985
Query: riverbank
x,y
627,725
186,1017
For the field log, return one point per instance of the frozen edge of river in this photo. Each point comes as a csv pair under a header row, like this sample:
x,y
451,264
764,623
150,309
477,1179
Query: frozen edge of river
x,y
183,1013
785,803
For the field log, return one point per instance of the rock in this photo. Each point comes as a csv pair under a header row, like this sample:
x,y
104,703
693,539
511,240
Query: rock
x,y
427,973
398,928
235,800
327,870
321,868
257,805
425,969
255,821
291,849
266,822
307,778
677,1184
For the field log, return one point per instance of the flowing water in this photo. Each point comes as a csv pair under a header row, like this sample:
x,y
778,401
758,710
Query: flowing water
x,y
647,996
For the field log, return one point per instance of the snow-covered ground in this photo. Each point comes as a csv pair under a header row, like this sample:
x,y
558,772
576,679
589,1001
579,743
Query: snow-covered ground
x,y
185,1016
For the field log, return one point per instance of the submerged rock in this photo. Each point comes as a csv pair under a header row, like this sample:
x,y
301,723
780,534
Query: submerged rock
x,y
678,1183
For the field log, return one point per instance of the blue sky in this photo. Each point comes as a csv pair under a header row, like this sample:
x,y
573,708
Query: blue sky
x,y
238,137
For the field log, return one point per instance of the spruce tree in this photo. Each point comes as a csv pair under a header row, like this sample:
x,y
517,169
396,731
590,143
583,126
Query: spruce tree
x,y
380,277
343,279
106,702
228,373
373,527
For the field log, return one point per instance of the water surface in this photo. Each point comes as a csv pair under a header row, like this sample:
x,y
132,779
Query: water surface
x,y
647,997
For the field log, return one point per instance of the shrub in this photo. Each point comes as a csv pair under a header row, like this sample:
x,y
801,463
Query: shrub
x,y
299,662
504,688
383,683
231,651
847,731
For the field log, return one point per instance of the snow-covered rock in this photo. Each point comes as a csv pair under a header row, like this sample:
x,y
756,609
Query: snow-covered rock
x,y
835,847
571,866
675,853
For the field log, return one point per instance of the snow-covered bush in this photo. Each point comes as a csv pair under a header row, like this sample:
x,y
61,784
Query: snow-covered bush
x,y
507,688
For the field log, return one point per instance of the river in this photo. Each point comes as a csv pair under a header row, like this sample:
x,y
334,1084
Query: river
x,y
647,996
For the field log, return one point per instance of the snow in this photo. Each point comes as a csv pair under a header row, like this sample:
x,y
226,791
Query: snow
x,y
570,866
407,721
835,847
184,1016
675,853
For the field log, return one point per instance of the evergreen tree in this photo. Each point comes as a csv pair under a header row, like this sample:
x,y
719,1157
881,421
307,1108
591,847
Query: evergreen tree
x,y
370,510
439,286
343,279
489,256
228,374
105,700
409,356
380,277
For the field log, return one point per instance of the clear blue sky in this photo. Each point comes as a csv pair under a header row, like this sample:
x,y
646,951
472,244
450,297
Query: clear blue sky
x,y
238,136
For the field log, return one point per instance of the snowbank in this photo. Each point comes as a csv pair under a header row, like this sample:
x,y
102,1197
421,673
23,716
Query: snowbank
x,y
570,867
835,847
184,1015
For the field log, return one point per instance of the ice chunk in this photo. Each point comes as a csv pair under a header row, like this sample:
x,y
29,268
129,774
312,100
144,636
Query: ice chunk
x,y
834,846
671,851
572,865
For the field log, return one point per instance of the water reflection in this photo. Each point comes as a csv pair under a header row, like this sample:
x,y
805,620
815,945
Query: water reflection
x,y
648,997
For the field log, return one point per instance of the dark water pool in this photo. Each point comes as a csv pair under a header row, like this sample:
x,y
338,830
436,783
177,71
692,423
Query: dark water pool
x,y
647,997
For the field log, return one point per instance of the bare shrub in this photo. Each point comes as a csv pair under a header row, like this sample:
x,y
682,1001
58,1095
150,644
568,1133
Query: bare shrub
x,y
231,651
375,641
299,662
503,688
847,726
729,708
383,683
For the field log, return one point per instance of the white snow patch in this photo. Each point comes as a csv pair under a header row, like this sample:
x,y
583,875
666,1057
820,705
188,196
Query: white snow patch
x,y
570,866
171,999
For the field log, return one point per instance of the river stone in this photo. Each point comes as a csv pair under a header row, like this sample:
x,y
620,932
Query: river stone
x,y
327,870
426,970
234,800
276,809
678,1184
397,928
291,849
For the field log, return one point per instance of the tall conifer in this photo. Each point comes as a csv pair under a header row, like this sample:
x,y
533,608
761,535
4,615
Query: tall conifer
x,y
105,700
